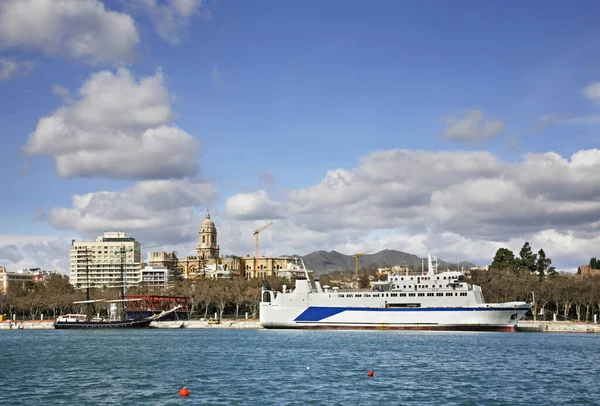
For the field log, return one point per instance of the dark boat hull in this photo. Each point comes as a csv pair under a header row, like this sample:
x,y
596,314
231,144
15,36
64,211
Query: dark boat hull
x,y
144,323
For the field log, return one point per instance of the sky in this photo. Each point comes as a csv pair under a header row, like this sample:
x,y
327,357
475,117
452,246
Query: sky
x,y
454,128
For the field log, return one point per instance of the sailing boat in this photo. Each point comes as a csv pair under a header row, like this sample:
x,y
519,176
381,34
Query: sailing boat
x,y
78,321
73,321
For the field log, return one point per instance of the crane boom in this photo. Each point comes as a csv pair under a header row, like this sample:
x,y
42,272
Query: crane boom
x,y
258,230
262,228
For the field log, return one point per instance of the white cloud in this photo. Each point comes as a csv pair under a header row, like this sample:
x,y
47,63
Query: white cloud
x,y
119,127
472,128
446,202
26,251
63,92
252,206
546,121
171,17
592,91
83,30
11,66
158,211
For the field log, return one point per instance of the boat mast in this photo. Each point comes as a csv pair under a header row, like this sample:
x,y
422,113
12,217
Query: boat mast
x,y
122,282
87,283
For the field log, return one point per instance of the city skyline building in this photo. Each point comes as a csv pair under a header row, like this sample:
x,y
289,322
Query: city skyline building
x,y
111,260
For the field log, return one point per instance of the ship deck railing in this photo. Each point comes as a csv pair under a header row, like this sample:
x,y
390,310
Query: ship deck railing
x,y
370,290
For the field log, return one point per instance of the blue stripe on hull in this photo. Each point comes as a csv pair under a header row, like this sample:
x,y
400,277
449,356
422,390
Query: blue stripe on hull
x,y
316,313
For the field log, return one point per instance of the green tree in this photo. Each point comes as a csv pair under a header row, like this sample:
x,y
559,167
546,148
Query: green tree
x,y
175,273
504,259
542,264
527,258
594,263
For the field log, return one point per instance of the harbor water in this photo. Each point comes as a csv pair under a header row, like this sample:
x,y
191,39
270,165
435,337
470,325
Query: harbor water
x,y
287,367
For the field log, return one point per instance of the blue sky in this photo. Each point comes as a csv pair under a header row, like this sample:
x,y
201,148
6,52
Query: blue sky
x,y
277,94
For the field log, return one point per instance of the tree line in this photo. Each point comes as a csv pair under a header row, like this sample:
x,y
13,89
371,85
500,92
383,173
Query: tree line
x,y
531,276
55,296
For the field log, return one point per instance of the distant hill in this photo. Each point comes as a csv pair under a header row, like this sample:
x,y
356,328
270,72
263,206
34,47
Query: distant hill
x,y
322,262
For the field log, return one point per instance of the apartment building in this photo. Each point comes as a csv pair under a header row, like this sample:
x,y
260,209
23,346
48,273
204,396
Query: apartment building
x,y
155,277
107,262
11,279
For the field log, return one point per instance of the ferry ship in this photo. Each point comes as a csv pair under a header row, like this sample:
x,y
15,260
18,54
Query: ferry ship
x,y
432,301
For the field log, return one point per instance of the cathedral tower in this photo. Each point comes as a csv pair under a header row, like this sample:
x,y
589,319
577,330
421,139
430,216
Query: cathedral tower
x,y
207,247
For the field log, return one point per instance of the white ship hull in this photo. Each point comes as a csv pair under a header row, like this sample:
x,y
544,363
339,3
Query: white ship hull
x,y
497,317
434,301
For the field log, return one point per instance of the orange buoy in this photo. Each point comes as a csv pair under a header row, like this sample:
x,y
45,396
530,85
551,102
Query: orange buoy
x,y
371,372
184,392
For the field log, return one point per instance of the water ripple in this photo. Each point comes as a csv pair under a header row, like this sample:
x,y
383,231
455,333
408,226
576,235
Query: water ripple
x,y
249,367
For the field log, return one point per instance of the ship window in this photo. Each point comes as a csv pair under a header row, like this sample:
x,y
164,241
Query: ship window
x,y
444,277
357,295
377,295
367,295
402,278
349,295
402,294
393,294
421,294
439,294
404,286
449,294
430,294
411,294
456,294
340,295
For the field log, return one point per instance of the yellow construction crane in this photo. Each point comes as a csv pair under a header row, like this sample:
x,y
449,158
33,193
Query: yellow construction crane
x,y
356,259
256,256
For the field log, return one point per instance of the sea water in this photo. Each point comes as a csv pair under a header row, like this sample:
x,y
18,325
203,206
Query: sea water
x,y
287,367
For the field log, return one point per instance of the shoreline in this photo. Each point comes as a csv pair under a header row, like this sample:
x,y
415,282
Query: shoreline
x,y
195,324
522,326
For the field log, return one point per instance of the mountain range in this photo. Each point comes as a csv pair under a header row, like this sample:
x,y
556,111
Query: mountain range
x,y
322,262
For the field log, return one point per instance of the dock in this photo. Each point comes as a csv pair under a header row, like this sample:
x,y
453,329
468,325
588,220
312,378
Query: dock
x,y
557,327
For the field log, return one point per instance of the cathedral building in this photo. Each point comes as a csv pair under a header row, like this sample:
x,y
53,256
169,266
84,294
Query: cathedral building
x,y
209,263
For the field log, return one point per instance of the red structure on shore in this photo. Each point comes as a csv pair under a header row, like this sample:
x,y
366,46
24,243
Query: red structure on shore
x,y
148,305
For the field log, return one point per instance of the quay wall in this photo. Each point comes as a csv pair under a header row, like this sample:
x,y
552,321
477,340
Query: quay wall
x,y
522,326
557,327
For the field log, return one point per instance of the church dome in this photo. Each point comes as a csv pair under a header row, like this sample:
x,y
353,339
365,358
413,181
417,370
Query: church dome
x,y
208,223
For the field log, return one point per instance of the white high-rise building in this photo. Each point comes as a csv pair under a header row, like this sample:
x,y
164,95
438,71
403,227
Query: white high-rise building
x,y
105,262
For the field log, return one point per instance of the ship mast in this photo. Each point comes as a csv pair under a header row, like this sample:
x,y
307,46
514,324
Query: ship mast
x,y
87,283
431,266
122,283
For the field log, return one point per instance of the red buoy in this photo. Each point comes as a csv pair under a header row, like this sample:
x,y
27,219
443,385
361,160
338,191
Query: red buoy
x,y
371,372
184,392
